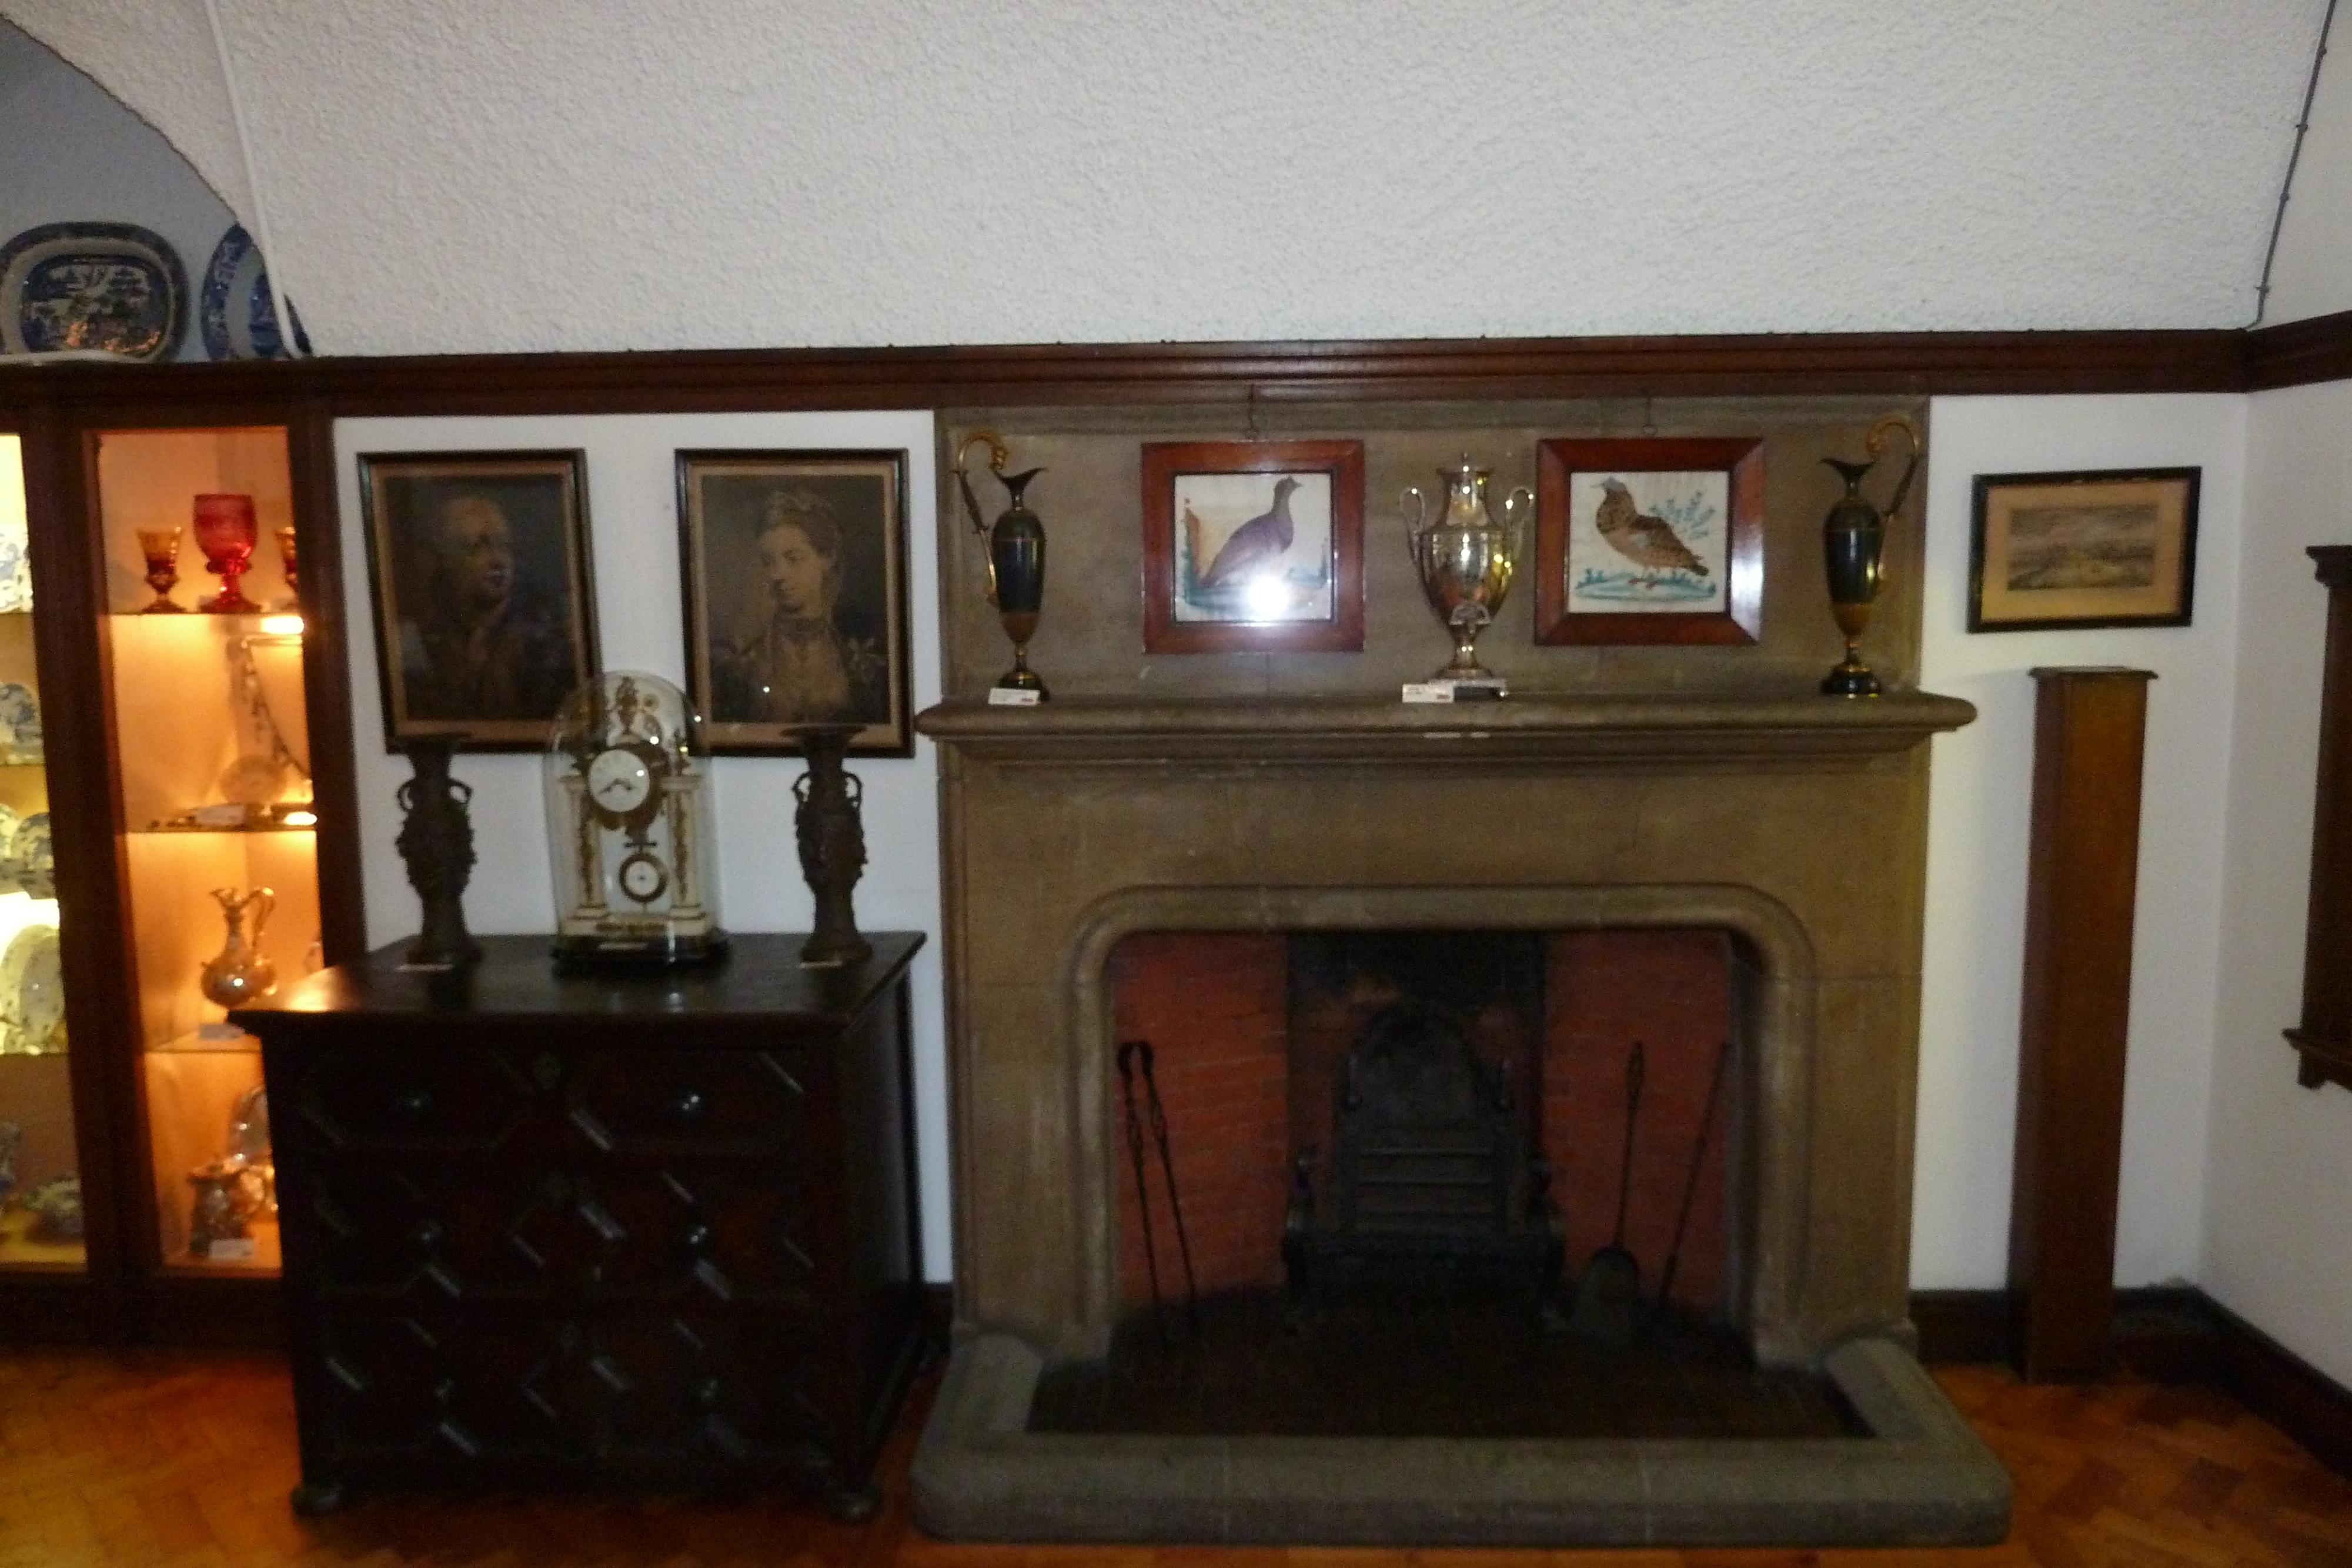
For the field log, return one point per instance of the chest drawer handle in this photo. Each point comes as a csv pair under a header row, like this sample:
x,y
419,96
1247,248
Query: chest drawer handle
x,y
698,1237
414,1105
429,1235
689,1105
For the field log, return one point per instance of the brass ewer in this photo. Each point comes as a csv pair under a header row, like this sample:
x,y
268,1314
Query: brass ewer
x,y
1466,560
1853,540
1016,557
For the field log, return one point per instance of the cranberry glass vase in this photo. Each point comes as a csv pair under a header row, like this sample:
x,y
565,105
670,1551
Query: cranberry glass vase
x,y
227,533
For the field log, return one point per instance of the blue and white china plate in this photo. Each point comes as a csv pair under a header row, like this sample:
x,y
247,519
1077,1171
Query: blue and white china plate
x,y
34,861
31,990
112,286
234,307
15,565
20,724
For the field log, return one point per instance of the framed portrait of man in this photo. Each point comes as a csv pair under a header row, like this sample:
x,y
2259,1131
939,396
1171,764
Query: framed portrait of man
x,y
795,594
484,616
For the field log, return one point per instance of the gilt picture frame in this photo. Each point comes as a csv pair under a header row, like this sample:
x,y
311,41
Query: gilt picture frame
x,y
2112,547
794,568
1253,547
484,605
1658,540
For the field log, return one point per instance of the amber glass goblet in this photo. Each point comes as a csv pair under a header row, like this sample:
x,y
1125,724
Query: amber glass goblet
x,y
227,533
161,549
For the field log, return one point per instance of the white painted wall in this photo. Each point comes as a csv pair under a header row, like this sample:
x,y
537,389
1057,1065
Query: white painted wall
x,y
633,519
1979,806
73,154
545,175
2278,1229
2312,273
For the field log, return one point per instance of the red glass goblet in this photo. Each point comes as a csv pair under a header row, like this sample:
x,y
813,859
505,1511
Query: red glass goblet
x,y
226,532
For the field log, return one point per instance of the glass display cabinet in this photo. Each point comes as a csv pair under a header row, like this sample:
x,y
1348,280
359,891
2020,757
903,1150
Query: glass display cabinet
x,y
168,849
212,767
41,1227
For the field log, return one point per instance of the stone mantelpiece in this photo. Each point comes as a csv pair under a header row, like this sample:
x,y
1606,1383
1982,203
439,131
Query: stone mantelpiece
x,y
1794,822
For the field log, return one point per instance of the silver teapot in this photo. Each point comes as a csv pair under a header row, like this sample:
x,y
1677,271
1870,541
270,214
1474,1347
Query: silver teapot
x,y
1465,558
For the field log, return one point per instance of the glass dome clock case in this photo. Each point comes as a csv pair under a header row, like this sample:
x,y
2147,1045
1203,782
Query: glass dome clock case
x,y
629,827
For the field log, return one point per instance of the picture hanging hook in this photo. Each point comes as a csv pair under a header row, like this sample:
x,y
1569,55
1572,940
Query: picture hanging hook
x,y
1649,406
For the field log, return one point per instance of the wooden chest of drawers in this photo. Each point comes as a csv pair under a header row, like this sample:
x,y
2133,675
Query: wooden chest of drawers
x,y
650,1230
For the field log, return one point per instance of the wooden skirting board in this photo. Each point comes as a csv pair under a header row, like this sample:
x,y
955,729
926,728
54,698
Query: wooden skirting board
x,y
2169,1334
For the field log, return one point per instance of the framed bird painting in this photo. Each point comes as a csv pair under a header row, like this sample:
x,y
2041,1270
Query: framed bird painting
x,y
1657,540
1253,547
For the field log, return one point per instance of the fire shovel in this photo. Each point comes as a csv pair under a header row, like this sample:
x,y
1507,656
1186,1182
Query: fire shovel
x,y
1611,1287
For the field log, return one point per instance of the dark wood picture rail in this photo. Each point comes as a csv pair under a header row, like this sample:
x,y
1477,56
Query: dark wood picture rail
x,y
1482,368
1893,364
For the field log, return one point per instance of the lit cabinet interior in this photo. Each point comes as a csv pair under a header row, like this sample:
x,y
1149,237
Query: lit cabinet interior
x,y
213,773
40,1183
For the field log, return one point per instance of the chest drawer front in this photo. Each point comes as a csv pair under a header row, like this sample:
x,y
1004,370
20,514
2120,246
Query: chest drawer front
x,y
421,1386
753,1103
424,1101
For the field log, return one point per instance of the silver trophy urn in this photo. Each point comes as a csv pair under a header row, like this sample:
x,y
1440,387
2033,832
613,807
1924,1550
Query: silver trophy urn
x,y
1466,560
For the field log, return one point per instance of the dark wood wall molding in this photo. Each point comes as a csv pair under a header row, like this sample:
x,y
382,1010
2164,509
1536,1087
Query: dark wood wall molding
x,y
2171,1334
2298,353
1758,364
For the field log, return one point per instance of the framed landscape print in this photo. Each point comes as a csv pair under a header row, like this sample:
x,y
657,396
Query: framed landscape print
x,y
795,593
1254,546
485,615
2104,547
1658,540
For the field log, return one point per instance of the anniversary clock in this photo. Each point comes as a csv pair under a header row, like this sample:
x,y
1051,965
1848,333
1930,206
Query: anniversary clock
x,y
629,829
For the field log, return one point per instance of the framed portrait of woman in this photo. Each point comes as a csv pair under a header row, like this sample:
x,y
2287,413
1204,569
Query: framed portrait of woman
x,y
795,594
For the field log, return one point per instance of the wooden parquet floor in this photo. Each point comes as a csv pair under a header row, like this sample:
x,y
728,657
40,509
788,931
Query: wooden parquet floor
x,y
169,1460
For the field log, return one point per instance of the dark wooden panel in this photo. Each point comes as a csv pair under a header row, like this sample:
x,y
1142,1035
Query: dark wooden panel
x,y
2089,726
327,681
2323,1037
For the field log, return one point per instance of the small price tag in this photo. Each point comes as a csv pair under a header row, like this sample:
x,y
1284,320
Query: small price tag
x,y
1429,691
232,1249
1011,697
225,816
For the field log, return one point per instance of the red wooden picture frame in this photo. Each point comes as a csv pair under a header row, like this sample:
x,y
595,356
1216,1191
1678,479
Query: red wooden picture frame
x,y
1219,516
1729,549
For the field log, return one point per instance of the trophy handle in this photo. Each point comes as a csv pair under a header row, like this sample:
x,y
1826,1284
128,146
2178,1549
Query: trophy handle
x,y
1413,524
1518,507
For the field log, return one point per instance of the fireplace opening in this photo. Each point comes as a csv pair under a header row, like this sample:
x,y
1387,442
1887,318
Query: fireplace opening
x,y
1368,1181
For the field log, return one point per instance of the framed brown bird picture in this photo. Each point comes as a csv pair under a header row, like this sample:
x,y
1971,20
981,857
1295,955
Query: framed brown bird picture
x,y
1658,540
1253,547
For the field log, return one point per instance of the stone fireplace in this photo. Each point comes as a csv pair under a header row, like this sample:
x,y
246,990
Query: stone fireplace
x,y
1728,798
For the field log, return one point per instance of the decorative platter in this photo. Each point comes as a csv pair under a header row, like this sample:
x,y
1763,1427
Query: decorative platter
x,y
112,286
33,992
234,307
33,863
20,723
15,565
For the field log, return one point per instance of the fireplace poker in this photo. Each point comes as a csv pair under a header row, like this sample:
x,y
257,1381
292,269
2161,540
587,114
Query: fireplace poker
x,y
1612,1284
1134,1056
1690,1183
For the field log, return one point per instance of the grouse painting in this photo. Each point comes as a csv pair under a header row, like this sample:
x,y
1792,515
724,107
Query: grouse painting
x,y
1258,543
1645,540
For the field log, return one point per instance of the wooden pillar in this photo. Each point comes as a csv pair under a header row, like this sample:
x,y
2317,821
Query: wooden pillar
x,y
2324,1037
2087,732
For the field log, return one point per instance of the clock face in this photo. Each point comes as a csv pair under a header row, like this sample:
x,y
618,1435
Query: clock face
x,y
619,781
643,877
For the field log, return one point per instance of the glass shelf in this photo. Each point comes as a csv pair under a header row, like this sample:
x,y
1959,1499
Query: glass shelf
x,y
178,825
212,1039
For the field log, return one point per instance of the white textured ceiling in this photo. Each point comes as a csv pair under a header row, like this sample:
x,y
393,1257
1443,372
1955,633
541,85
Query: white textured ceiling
x,y
538,175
